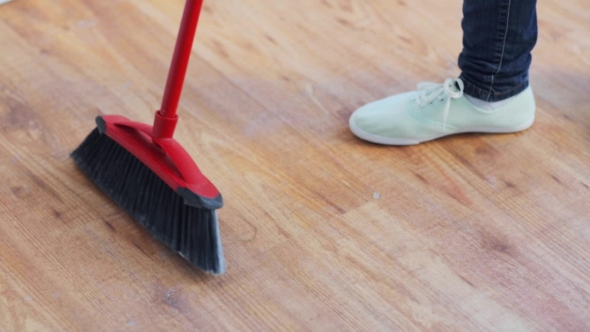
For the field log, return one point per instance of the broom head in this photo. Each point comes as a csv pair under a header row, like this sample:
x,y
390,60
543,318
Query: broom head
x,y
157,182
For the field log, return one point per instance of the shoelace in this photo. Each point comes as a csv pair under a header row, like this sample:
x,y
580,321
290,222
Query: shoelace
x,y
429,92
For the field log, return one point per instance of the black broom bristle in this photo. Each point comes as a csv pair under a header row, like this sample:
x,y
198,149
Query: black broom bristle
x,y
190,231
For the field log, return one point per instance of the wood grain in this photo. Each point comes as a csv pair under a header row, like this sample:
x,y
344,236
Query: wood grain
x,y
470,233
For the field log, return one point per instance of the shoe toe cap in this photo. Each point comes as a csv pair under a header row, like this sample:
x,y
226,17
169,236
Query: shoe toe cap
x,y
374,120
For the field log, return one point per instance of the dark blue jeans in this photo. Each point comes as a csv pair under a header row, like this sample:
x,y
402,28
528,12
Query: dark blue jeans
x,y
498,37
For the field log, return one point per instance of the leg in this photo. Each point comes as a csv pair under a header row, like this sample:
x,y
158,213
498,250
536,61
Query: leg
x,y
492,95
498,37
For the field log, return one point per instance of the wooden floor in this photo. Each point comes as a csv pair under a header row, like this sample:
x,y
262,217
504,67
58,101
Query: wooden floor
x,y
322,232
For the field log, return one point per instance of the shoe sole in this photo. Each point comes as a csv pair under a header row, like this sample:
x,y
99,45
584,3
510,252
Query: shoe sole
x,y
405,141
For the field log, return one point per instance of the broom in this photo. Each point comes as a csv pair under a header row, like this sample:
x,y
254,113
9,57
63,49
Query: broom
x,y
151,176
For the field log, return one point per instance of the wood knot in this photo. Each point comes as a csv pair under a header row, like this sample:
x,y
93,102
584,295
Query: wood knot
x,y
497,243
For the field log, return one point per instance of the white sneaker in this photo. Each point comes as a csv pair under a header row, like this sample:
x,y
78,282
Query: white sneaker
x,y
437,110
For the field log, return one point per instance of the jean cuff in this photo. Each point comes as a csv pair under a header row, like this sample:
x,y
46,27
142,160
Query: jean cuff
x,y
491,96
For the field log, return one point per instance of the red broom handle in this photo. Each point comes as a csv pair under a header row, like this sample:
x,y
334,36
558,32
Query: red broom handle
x,y
165,121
